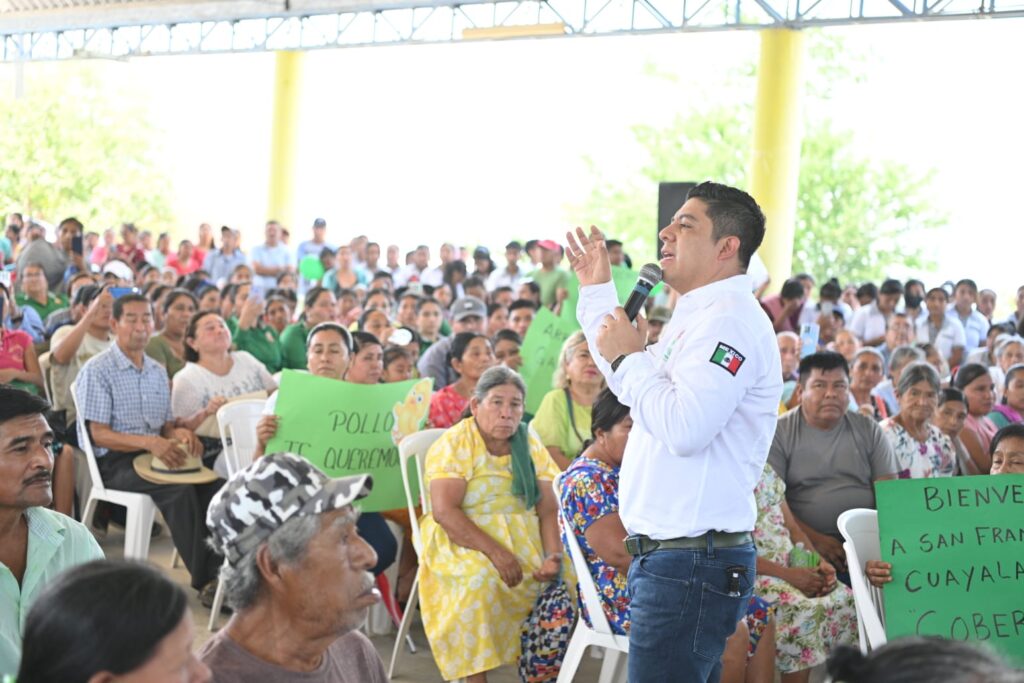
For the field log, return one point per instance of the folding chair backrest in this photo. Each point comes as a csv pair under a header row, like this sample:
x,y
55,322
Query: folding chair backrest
x,y
414,447
237,424
44,368
85,443
860,529
595,608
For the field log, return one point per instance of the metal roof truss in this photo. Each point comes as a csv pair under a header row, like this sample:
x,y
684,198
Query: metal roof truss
x,y
93,34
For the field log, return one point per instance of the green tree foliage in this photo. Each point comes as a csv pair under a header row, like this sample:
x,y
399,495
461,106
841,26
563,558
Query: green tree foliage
x,y
71,147
858,218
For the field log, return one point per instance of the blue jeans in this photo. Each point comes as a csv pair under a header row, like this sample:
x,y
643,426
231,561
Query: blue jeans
x,y
684,604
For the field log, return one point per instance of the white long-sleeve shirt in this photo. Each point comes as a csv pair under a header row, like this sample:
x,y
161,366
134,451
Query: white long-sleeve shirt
x,y
704,402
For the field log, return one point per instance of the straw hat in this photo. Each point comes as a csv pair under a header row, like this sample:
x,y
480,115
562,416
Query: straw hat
x,y
152,469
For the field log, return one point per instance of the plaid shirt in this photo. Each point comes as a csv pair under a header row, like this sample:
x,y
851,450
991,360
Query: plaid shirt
x,y
113,391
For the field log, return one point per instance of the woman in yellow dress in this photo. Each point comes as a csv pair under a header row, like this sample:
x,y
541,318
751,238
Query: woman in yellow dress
x,y
491,542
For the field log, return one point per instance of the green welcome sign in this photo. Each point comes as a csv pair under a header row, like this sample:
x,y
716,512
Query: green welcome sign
x,y
347,429
957,550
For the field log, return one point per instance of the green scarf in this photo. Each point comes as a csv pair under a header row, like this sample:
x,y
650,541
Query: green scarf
x,y
524,474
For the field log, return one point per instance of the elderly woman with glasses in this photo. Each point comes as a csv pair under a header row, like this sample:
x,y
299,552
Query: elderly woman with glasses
x,y
921,448
491,540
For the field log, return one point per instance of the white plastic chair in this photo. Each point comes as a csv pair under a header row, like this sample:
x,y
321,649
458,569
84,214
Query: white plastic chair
x,y
44,368
860,529
237,424
140,507
598,633
413,447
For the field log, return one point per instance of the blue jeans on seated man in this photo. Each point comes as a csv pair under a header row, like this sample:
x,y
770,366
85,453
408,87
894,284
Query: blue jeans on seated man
x,y
684,604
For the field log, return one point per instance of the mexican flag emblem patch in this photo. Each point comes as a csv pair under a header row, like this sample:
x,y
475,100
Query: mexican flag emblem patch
x,y
728,358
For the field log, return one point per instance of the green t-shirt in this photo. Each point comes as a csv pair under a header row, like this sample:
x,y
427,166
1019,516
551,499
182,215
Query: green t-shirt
x,y
159,350
53,303
554,427
293,347
265,346
550,282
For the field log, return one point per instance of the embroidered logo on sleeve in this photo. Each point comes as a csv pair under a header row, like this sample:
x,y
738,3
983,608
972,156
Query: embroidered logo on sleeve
x,y
727,357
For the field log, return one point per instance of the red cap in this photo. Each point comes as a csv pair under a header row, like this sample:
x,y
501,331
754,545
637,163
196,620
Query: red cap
x,y
550,245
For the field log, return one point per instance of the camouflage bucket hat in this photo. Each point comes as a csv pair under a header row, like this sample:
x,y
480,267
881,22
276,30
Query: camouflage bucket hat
x,y
257,500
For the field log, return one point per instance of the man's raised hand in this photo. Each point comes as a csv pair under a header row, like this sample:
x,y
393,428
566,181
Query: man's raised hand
x,y
588,256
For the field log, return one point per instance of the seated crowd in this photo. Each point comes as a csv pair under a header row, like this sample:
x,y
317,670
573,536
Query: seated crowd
x,y
138,346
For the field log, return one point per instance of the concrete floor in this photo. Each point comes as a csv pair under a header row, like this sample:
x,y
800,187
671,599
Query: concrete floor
x,y
417,667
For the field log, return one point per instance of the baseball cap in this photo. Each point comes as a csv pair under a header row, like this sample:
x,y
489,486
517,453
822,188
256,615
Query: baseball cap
x,y
119,269
260,498
481,253
467,306
319,223
550,245
661,314
514,244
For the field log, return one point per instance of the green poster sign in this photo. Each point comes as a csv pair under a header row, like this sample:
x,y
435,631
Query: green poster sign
x,y
347,429
957,551
540,352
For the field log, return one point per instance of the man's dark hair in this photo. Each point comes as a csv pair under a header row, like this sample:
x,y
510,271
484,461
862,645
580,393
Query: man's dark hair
x,y
500,290
132,298
952,394
533,287
732,212
920,659
967,282
869,290
912,282
473,281
19,403
493,308
379,292
792,289
830,291
891,286
506,335
1010,431
613,243
382,275
522,303
824,361
101,616
424,301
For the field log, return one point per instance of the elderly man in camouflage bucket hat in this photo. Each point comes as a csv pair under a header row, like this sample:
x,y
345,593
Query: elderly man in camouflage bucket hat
x,y
296,575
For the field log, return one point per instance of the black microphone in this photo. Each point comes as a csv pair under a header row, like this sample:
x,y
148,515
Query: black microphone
x,y
650,276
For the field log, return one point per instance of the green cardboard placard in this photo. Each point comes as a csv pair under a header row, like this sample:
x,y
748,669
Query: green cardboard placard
x,y
347,429
624,280
540,352
957,551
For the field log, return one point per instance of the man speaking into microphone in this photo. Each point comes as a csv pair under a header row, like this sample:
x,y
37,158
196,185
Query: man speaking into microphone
x,y
704,401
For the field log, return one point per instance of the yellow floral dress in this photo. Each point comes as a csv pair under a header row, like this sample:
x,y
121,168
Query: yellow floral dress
x,y
471,617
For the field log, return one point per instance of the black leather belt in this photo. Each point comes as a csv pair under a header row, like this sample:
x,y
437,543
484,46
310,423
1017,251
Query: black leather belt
x,y
641,545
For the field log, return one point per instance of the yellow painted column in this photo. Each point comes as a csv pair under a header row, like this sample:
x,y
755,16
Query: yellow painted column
x,y
778,129
283,136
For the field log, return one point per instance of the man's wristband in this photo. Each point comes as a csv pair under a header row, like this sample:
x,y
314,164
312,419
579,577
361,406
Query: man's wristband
x,y
617,362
